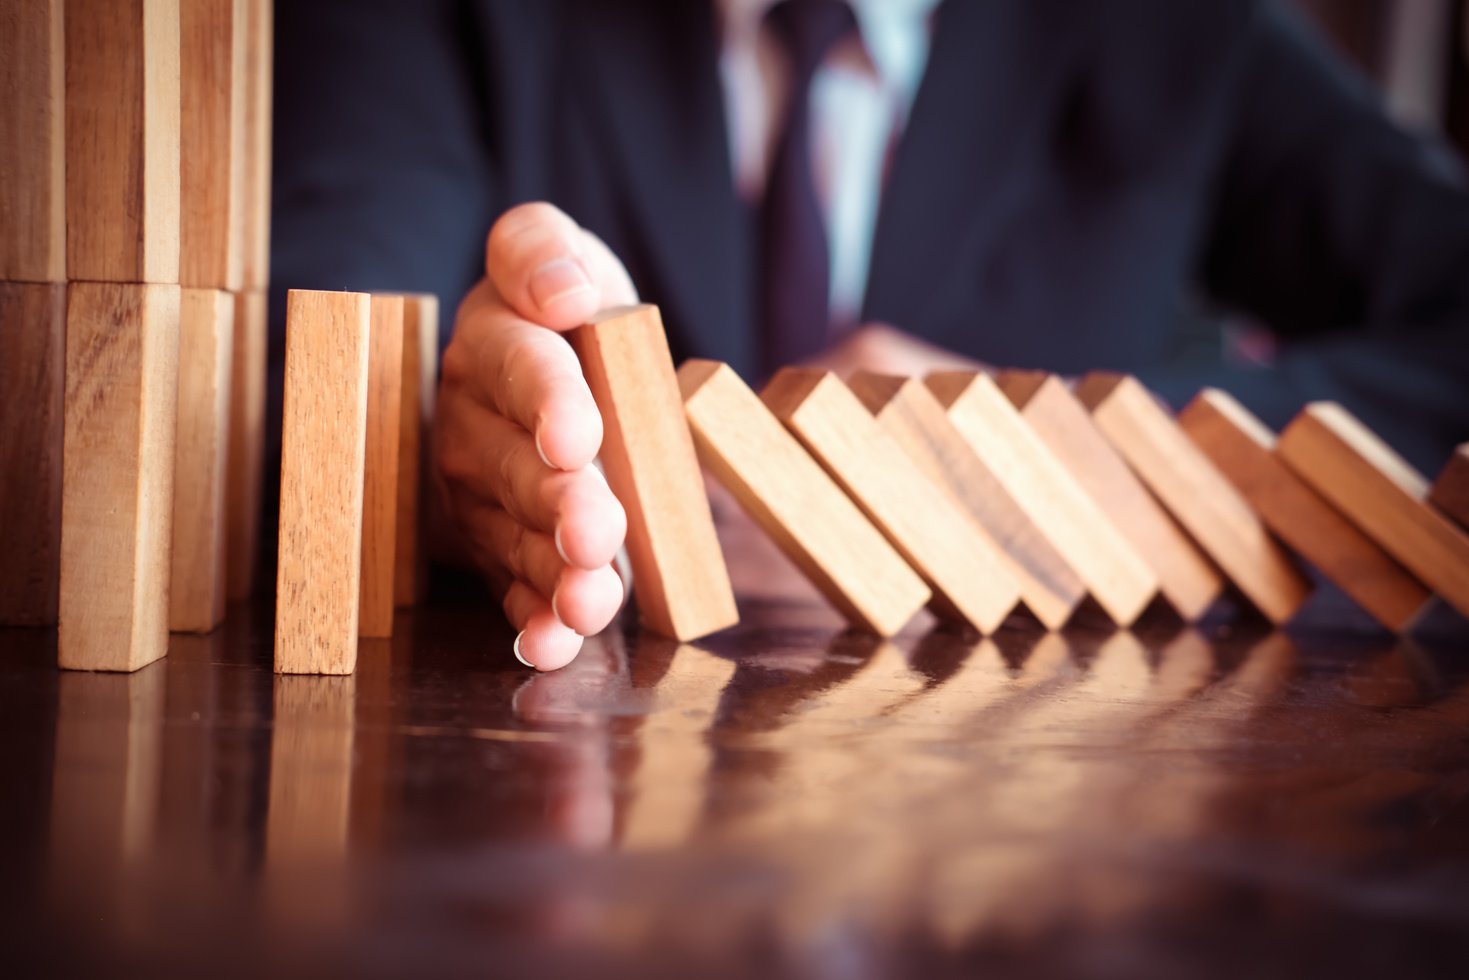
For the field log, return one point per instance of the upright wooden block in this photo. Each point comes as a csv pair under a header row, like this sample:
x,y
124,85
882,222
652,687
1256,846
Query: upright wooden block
x,y
796,503
380,480
420,388
247,443
968,574
1450,492
1244,450
32,141
1115,574
122,346
122,140
1378,491
323,444
1186,577
911,414
255,206
212,140
1195,492
679,577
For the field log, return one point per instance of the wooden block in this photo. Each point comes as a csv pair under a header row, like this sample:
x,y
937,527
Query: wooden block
x,y
380,479
911,414
968,574
1195,492
796,503
247,443
1450,492
679,576
255,206
420,388
122,345
1244,450
1115,574
122,140
32,383
1186,577
1378,491
212,143
206,354
323,444
32,141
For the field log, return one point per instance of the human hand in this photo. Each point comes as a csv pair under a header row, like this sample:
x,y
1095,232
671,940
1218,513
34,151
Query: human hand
x,y
887,350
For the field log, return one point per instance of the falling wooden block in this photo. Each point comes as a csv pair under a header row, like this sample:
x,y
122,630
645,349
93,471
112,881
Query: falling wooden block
x,y
122,140
323,443
1186,577
796,503
679,577
969,576
911,414
1195,492
122,345
1115,574
380,480
1244,450
212,142
1379,492
32,141
1450,492
255,202
247,443
420,387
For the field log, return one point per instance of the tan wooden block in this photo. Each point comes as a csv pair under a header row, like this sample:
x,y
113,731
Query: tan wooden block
x,y
1195,492
255,206
380,479
1186,577
246,466
32,141
796,503
1244,450
1379,492
1450,492
1115,574
970,577
679,577
122,140
420,388
212,142
911,414
122,346
323,445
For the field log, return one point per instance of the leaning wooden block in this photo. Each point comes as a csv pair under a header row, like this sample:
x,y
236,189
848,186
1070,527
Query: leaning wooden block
x,y
122,345
212,143
32,141
679,577
323,442
255,202
969,576
796,503
1450,492
1244,450
247,442
420,387
380,481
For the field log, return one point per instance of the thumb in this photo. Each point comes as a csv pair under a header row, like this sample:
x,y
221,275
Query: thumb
x,y
536,258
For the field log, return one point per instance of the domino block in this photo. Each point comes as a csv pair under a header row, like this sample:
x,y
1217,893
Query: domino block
x,y
679,577
1243,449
1195,492
255,203
212,143
323,444
969,576
380,480
32,141
1115,574
420,387
247,443
122,346
1450,492
796,503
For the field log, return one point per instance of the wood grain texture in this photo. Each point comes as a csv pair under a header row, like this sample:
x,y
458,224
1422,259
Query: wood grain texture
x,y
122,345
1195,493
259,92
247,443
1186,577
32,141
1450,492
212,142
796,503
1243,449
420,388
1117,577
970,578
679,577
380,467
323,444
1049,587
122,140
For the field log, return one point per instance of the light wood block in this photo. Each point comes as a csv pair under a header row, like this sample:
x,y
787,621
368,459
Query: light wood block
x,y
679,577
246,464
122,346
1115,574
323,444
420,388
32,141
796,503
1195,493
1381,493
1244,450
1450,492
380,480
259,75
212,143
911,414
1186,577
122,140
969,576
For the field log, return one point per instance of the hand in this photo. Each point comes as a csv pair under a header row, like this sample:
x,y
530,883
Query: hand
x,y
887,350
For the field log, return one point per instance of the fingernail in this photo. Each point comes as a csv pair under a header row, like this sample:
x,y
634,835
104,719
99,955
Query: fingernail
x,y
560,548
556,280
555,608
540,449
516,649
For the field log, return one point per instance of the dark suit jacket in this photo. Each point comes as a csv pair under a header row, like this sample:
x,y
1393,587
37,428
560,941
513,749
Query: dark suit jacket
x,y
1077,180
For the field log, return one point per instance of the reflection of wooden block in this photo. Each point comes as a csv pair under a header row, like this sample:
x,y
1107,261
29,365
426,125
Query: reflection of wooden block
x,y
255,180
794,501
212,143
969,576
1116,576
420,387
32,142
122,344
380,482
1450,492
1378,491
323,441
1195,492
1186,578
913,416
1243,449
679,576
247,442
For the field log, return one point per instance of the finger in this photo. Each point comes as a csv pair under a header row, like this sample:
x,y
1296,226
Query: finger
x,y
586,600
534,256
543,642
